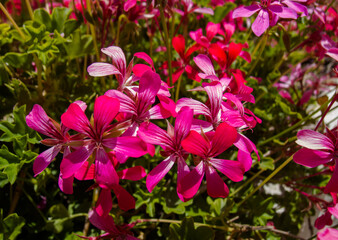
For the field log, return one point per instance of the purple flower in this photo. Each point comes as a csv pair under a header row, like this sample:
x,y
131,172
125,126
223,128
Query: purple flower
x,y
268,14
319,149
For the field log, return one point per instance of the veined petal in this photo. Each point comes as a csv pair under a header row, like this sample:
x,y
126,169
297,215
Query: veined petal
x,y
333,52
99,69
198,124
104,203
74,118
38,120
214,91
312,158
190,184
127,105
245,159
183,123
105,110
261,23
204,10
117,55
211,30
134,173
296,6
139,69
327,234
159,172
44,159
182,171
246,11
130,146
105,173
124,199
150,84
224,137
332,185
194,143
153,134
333,210
129,4
204,63
232,169
73,161
314,140
215,185
198,107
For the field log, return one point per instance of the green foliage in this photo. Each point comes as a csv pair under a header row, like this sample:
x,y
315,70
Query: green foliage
x,y
186,231
10,226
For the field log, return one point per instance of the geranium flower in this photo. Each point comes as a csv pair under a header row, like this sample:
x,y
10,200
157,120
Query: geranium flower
x,y
170,141
98,141
319,149
327,234
267,14
107,224
206,147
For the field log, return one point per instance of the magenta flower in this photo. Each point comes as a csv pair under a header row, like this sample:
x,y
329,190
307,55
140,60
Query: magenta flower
x,y
267,14
327,234
107,224
170,141
98,141
206,147
319,149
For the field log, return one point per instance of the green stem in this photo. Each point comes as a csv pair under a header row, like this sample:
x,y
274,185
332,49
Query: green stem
x,y
39,72
92,30
29,8
298,124
33,203
225,228
8,15
168,45
247,182
266,180
263,44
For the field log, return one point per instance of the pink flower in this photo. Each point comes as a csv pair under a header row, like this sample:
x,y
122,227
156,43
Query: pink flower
x,y
319,149
170,141
327,234
107,224
206,147
98,141
267,14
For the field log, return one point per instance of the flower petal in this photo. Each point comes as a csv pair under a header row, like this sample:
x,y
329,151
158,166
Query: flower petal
x,y
44,159
312,158
190,184
314,140
332,185
232,169
204,63
246,11
134,173
99,69
198,107
105,110
117,55
74,118
150,84
215,185
85,172
130,146
327,234
159,172
219,142
104,203
153,134
105,223
261,23
66,184
179,45
105,173
194,143
125,200
73,161
183,124
127,105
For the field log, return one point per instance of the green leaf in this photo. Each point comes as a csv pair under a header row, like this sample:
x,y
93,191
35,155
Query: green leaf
x,y
267,163
80,45
70,26
12,226
12,172
19,145
41,16
18,60
18,127
59,17
19,90
58,211
186,231
220,12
